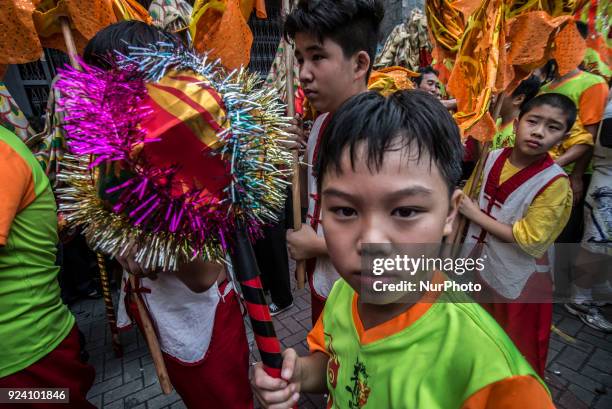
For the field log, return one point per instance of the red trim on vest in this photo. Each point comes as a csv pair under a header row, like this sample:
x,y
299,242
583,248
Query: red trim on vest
x,y
500,192
496,194
550,182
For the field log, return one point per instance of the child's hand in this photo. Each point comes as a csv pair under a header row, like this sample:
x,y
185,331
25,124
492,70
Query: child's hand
x,y
274,393
297,136
468,207
304,243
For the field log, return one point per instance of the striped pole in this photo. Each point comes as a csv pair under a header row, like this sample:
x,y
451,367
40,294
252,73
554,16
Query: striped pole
x,y
110,308
247,274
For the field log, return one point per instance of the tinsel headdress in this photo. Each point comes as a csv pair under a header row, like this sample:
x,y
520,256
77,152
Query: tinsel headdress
x,y
169,152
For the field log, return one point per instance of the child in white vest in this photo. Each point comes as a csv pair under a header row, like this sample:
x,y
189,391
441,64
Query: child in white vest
x,y
525,199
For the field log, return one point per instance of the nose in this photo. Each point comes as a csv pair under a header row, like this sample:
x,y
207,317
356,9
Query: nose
x,y
538,130
373,239
305,73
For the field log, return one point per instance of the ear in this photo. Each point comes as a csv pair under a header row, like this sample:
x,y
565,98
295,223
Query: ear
x,y
515,123
518,100
453,210
362,65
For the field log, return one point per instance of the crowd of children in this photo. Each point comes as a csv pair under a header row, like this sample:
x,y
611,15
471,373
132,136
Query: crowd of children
x,y
379,169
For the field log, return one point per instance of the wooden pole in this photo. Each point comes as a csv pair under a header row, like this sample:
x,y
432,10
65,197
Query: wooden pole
x,y
147,326
152,342
110,308
69,40
295,185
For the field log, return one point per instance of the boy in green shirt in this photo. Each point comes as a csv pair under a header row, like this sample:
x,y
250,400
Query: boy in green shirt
x,y
39,341
387,173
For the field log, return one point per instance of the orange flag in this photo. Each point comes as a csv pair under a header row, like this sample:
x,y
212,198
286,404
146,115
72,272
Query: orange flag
x,y
220,28
503,41
30,25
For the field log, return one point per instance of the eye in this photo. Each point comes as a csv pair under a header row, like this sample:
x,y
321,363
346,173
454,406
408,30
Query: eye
x,y
554,128
532,121
317,57
404,212
300,61
344,212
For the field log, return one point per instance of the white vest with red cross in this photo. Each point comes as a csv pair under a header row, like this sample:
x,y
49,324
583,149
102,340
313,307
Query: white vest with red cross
x,y
508,266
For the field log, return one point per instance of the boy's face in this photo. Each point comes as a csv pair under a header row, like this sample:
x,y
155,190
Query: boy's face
x,y
327,76
407,201
431,84
540,129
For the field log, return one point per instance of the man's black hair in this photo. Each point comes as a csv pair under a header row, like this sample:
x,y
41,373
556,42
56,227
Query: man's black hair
x,y
554,100
352,24
412,120
424,71
528,87
100,50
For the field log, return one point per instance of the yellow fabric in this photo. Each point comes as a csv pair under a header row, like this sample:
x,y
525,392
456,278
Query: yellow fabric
x,y
217,23
182,96
388,80
578,136
546,217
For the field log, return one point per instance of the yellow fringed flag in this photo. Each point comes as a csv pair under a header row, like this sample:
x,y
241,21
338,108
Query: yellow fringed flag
x,y
502,42
390,79
220,28
446,24
30,25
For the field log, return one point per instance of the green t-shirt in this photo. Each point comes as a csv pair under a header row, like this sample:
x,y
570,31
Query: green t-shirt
x,y
33,319
504,137
450,352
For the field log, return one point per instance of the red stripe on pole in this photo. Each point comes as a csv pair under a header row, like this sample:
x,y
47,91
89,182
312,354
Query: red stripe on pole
x,y
253,282
258,311
273,372
268,344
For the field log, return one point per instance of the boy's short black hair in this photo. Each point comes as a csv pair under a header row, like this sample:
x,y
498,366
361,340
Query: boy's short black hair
x,y
528,87
404,120
423,71
353,24
100,50
554,100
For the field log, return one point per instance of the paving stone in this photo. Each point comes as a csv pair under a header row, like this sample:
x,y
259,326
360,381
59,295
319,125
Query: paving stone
x,y
96,401
604,402
597,375
105,386
584,395
570,401
594,341
162,401
573,377
119,404
178,405
601,360
112,368
132,370
572,357
570,326
122,391
143,395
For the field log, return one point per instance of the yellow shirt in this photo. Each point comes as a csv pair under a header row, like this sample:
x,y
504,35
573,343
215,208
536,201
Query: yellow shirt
x,y
546,216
